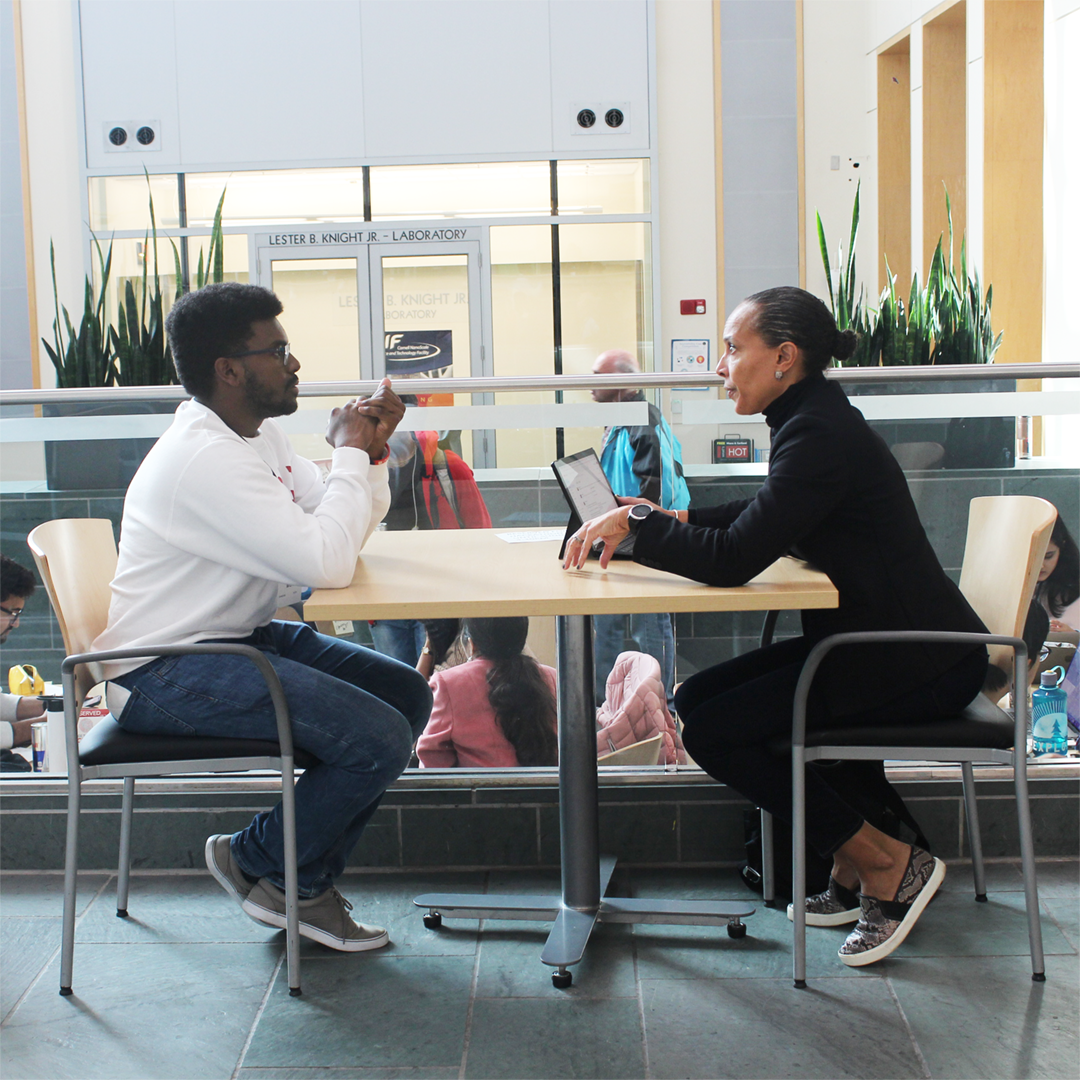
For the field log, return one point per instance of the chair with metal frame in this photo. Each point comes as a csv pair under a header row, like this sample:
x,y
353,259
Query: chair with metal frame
x,y
1006,540
77,560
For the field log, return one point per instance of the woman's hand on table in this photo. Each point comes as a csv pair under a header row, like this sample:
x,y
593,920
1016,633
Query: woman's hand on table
x,y
611,528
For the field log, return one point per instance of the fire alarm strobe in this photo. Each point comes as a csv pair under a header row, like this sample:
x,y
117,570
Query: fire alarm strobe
x,y
691,307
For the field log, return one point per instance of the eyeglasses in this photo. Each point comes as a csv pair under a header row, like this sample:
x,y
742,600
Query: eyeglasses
x,y
282,352
14,616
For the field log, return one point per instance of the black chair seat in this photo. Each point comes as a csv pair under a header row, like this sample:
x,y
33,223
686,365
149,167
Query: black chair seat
x,y
107,743
982,725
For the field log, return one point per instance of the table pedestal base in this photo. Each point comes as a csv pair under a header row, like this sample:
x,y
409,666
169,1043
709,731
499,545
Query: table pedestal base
x,y
572,927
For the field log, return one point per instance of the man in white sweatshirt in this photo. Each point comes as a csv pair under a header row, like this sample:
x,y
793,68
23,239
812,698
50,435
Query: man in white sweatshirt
x,y
17,712
222,523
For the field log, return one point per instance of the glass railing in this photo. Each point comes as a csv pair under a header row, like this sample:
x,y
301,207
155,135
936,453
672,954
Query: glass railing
x,y
959,432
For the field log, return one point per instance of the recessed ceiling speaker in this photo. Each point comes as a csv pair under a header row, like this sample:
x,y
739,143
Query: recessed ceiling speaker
x,y
126,136
586,118
614,118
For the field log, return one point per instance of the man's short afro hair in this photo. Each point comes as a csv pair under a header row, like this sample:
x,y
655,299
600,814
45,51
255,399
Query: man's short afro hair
x,y
214,321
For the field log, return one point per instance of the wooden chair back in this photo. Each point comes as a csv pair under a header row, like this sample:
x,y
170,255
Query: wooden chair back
x,y
76,558
646,752
1006,542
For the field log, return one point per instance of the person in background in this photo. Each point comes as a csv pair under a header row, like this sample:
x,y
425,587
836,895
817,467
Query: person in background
x,y
17,711
1058,588
640,462
495,711
998,681
431,487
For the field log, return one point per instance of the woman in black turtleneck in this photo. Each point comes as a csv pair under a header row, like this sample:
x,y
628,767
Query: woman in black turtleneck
x,y
836,497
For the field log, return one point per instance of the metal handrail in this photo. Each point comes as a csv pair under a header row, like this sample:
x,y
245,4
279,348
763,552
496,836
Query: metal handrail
x,y
548,383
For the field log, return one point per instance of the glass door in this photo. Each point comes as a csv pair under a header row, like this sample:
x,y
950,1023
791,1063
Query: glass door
x,y
426,325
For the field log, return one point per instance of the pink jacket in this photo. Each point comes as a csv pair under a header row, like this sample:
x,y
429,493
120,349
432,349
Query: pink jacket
x,y
463,729
636,708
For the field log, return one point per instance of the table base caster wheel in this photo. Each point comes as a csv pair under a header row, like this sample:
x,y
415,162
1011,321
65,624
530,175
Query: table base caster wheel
x,y
433,920
561,979
736,930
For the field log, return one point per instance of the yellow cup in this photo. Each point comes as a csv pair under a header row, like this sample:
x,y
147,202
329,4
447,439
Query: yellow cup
x,y
24,679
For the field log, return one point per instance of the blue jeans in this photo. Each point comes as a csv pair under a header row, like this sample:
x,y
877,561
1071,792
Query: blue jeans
x,y
652,633
400,638
355,710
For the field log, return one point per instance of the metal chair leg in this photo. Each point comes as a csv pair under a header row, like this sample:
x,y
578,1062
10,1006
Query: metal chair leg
x,y
124,872
292,900
71,870
1027,862
798,863
971,813
768,868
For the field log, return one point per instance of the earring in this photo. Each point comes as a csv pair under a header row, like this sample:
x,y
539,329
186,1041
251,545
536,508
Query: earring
x,y
779,375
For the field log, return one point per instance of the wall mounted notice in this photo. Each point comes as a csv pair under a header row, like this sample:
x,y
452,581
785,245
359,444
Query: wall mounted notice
x,y
690,356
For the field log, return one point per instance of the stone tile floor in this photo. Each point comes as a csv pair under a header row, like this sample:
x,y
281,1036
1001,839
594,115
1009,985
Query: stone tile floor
x,y
188,987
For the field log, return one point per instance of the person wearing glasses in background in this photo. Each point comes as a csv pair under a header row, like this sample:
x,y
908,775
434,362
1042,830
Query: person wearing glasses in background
x,y
222,525
17,712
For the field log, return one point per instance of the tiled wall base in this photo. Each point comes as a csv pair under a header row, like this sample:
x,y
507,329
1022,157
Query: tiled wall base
x,y
669,823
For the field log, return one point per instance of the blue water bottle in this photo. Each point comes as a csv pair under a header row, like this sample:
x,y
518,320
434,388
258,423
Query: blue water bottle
x,y
1049,721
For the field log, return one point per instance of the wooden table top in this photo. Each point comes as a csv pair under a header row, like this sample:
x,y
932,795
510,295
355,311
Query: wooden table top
x,y
454,574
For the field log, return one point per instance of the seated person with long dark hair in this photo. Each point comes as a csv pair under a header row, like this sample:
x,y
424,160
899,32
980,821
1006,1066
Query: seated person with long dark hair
x,y
496,710
1059,580
836,497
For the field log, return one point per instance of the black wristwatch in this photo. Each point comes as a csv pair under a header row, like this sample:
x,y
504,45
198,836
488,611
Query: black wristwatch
x,y
638,513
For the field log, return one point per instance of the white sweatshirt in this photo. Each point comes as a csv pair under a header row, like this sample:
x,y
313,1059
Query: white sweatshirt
x,y
215,525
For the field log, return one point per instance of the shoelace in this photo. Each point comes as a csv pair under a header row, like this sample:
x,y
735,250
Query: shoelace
x,y
341,899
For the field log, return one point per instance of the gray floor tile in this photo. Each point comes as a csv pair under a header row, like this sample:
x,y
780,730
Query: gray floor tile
x,y
140,1011
25,947
510,964
386,900
167,908
1012,1027
955,925
1058,879
28,895
764,1027
302,1073
1066,914
551,1039
367,1010
701,952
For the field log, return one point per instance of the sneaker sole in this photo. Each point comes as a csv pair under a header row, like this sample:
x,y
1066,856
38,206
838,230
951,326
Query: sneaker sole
x,y
275,918
837,918
918,905
223,880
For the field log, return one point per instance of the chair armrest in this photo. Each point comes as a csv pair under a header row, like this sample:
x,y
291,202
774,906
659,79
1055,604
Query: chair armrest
x,y
151,652
944,637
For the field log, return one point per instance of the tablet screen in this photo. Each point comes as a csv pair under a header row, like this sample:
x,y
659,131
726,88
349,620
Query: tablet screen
x,y
585,485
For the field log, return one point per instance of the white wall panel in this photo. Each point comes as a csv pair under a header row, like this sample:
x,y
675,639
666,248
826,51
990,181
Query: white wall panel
x,y
129,74
456,78
599,57
276,83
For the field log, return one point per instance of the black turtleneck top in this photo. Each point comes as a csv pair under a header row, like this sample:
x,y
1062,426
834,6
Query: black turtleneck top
x,y
836,497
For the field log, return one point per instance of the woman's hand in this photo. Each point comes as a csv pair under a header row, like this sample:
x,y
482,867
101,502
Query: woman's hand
x,y
611,528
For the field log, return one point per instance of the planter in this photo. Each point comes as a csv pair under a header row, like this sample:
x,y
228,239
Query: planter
x,y
977,442
97,464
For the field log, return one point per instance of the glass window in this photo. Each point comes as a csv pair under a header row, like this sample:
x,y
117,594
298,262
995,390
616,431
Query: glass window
x,y
499,189
606,303
235,248
270,197
122,202
617,186
523,337
128,260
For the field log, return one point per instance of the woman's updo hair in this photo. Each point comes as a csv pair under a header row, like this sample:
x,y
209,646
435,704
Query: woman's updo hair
x,y
790,314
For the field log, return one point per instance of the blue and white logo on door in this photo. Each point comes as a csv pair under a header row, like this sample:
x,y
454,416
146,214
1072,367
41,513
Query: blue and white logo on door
x,y
409,352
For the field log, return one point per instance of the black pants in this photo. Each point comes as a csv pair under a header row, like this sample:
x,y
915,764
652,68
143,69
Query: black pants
x,y
733,710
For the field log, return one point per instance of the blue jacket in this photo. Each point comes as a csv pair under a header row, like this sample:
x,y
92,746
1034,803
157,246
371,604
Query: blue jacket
x,y
646,462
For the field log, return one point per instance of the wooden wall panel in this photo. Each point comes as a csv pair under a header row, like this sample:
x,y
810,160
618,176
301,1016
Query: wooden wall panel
x,y
894,164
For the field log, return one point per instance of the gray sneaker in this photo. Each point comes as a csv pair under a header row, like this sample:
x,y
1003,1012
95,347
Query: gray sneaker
x,y
222,865
836,906
323,918
883,924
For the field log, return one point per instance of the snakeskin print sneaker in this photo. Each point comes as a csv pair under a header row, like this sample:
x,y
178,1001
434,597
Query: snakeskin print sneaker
x,y
883,924
836,906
